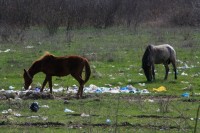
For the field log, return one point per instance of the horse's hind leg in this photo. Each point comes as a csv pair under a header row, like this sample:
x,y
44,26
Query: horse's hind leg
x,y
175,72
81,83
166,71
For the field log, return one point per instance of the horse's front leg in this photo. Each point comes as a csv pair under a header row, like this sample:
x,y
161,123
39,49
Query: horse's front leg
x,y
44,83
166,71
153,72
50,83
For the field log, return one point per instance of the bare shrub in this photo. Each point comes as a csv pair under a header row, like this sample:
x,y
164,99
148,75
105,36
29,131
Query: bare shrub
x,y
187,13
71,14
5,32
102,12
15,18
164,104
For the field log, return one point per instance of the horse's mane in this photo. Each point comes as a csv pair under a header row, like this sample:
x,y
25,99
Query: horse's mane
x,y
46,54
36,62
146,59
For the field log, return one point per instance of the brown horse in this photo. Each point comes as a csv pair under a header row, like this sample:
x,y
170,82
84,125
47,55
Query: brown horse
x,y
160,54
51,65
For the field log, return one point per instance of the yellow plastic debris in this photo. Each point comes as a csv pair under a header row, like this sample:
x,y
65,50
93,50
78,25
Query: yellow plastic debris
x,y
160,89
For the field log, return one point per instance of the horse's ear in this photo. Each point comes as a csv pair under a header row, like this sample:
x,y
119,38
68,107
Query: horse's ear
x,y
149,48
25,71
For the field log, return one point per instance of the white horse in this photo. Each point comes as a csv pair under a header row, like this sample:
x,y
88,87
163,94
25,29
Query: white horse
x,y
160,54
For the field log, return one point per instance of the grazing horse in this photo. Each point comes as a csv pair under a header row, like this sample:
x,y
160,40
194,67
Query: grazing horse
x,y
160,54
51,65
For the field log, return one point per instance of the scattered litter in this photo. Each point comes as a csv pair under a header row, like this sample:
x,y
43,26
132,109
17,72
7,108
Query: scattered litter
x,y
44,106
98,91
191,119
84,115
68,111
108,121
186,94
29,47
33,117
119,83
17,115
188,88
144,91
158,110
10,118
184,74
95,89
34,93
7,50
160,89
66,102
131,89
197,94
55,84
37,117
149,100
11,87
129,80
37,89
124,90
34,107
61,89
10,111
185,82
140,74
4,112
185,66
141,84
44,118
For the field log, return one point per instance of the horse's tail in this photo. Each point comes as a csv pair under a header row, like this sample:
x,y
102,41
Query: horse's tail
x,y
87,71
172,54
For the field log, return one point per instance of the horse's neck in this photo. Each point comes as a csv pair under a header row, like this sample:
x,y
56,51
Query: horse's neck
x,y
35,68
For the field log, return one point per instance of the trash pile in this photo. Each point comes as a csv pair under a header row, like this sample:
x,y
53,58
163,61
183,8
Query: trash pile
x,y
36,94
95,89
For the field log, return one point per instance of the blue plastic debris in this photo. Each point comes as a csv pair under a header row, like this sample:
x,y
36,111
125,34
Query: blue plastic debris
x,y
124,89
98,90
37,89
186,94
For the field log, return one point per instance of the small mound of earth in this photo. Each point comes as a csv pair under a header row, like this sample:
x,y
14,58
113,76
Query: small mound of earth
x,y
26,95
41,124
37,95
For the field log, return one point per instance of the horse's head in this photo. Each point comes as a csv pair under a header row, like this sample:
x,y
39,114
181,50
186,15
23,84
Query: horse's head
x,y
148,72
27,79
147,63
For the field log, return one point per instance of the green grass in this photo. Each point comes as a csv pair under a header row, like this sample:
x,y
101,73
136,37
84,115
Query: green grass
x,y
119,108
115,58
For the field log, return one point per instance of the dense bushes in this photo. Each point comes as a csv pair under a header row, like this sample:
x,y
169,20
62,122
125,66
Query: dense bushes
x,y
17,15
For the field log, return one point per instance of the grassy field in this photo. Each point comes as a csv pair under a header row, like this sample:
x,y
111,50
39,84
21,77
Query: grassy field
x,y
115,58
